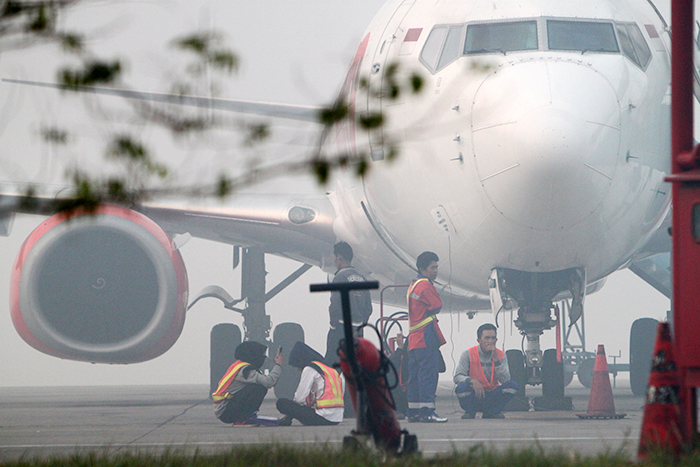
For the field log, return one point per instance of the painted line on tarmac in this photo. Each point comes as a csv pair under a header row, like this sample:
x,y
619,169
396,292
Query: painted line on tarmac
x,y
482,440
145,445
229,443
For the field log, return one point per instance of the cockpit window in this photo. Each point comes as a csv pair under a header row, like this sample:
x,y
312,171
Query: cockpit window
x,y
640,45
586,36
453,46
501,37
433,46
446,43
626,43
633,44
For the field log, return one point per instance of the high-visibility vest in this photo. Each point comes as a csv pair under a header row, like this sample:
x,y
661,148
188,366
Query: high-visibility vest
x,y
477,372
332,389
415,325
221,392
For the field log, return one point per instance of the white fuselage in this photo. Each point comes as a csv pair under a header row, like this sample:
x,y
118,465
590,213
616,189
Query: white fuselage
x,y
536,160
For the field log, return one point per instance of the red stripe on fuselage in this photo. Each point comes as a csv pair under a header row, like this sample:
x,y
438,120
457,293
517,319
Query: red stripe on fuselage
x,y
345,134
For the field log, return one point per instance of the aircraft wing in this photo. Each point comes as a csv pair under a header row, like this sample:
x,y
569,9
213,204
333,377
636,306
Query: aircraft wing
x,y
299,227
296,227
294,112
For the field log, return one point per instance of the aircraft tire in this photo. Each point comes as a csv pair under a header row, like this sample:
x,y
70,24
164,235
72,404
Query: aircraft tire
x,y
552,375
286,335
642,341
585,372
518,373
223,340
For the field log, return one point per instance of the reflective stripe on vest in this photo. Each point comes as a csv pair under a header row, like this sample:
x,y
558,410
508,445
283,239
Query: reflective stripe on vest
x,y
421,324
221,392
332,388
477,372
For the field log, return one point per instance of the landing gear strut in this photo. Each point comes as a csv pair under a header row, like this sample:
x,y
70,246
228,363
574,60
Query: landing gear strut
x,y
256,322
533,295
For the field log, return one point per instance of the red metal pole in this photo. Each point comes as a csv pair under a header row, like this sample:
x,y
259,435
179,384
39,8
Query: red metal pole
x,y
682,78
685,269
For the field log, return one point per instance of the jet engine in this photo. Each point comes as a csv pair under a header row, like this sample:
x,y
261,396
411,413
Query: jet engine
x,y
106,287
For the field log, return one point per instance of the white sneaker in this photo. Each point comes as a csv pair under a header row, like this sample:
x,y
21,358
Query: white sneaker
x,y
433,418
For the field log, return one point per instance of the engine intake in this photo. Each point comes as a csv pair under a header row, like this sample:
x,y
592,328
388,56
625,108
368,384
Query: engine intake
x,y
104,287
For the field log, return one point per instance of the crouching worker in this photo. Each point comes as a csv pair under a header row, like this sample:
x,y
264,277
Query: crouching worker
x,y
242,389
482,377
318,399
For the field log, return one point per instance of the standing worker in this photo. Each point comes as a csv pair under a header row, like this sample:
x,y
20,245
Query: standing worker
x,y
318,399
242,388
424,341
360,301
482,377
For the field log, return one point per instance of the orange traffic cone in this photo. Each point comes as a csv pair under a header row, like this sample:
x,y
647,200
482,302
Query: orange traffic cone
x,y
661,425
600,403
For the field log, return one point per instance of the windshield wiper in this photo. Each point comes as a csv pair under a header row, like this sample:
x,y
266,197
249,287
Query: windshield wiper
x,y
601,49
483,51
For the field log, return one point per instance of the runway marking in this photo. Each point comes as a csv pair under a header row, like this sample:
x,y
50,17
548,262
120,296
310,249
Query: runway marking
x,y
572,438
126,445
229,443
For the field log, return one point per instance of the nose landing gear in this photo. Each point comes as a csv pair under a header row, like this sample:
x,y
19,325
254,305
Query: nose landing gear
x,y
534,294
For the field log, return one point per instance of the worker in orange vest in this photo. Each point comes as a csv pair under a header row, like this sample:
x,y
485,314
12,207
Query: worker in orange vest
x,y
242,388
482,377
424,341
318,399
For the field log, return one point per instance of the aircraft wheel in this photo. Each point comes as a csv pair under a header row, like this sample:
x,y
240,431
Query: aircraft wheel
x,y
642,341
516,367
223,340
518,373
286,335
585,372
552,375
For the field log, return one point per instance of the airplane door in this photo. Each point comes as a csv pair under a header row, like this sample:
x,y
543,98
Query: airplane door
x,y
391,37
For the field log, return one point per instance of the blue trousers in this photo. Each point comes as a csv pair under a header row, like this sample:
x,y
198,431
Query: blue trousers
x,y
423,368
492,403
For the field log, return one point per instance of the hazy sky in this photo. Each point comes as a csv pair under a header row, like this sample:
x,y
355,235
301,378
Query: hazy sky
x,y
291,52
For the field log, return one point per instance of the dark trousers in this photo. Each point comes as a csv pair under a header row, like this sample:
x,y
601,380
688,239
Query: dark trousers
x,y
243,404
305,414
333,342
423,367
492,403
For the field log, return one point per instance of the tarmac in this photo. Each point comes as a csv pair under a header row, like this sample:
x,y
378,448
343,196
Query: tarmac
x,y
60,421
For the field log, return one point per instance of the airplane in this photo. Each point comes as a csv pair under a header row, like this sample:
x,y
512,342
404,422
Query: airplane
x,y
533,163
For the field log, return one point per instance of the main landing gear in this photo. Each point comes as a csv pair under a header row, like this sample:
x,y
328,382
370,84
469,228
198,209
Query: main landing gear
x,y
225,337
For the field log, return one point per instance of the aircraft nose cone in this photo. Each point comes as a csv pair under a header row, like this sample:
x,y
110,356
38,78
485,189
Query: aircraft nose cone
x,y
546,135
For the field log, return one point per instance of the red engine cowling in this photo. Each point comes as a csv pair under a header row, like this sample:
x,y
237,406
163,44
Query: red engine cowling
x,y
104,287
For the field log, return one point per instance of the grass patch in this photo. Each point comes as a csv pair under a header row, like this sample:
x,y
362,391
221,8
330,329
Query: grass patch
x,y
323,455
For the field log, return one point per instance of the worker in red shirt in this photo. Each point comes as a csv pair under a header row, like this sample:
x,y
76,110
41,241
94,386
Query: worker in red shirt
x,y
424,341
